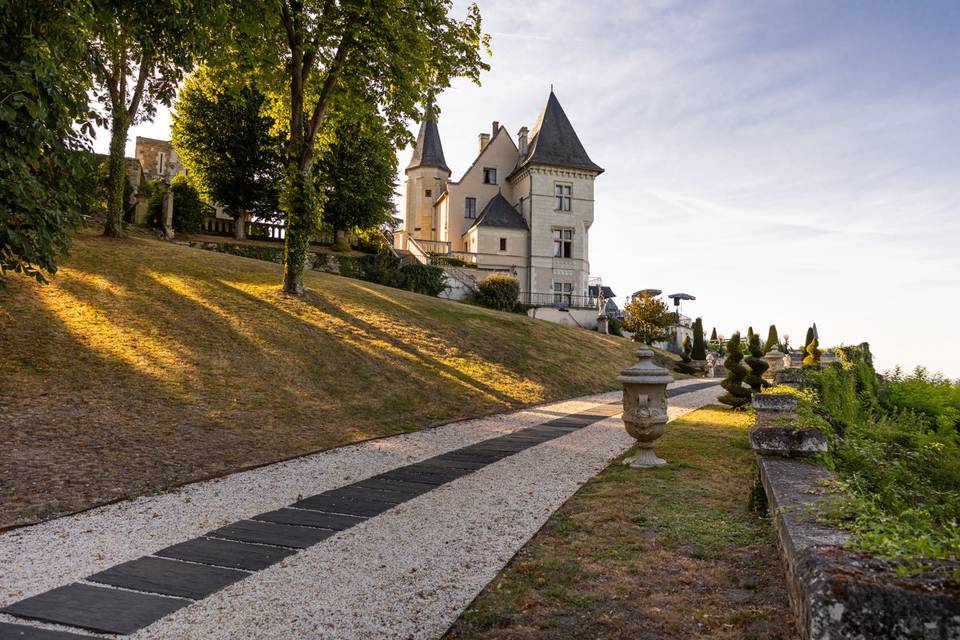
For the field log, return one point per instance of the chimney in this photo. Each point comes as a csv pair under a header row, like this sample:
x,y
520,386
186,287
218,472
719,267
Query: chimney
x,y
522,140
496,127
483,139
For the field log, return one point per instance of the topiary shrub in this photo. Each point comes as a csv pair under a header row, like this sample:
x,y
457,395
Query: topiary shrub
x,y
757,365
422,278
498,292
699,350
736,394
773,340
685,349
614,327
812,359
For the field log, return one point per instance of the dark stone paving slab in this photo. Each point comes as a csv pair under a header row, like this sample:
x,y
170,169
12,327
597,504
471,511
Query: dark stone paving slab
x,y
23,632
408,489
225,553
442,463
689,388
357,492
168,577
353,506
303,518
281,535
96,608
481,457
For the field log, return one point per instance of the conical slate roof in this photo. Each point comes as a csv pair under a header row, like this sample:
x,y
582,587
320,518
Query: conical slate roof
x,y
554,142
500,213
428,152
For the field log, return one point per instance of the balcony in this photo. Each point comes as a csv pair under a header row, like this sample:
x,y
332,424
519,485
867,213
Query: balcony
x,y
559,301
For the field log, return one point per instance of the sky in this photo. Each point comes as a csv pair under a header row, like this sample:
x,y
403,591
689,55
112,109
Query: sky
x,y
786,162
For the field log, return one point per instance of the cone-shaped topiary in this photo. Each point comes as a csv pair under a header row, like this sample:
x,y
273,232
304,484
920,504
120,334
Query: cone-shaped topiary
x,y
749,334
809,337
773,340
812,359
713,335
737,395
686,348
757,365
699,351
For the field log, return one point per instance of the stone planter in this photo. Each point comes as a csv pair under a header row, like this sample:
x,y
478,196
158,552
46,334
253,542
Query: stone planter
x,y
774,359
645,407
774,409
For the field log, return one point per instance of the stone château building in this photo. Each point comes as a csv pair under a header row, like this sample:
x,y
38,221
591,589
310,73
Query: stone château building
x,y
523,208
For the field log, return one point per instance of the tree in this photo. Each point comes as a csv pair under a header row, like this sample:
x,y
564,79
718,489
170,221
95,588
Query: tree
x,y
699,351
647,318
140,51
757,365
809,338
749,334
773,340
356,174
224,139
812,359
395,53
713,335
685,349
46,177
736,394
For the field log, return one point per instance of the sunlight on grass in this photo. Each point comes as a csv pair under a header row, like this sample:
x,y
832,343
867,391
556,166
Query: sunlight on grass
x,y
717,416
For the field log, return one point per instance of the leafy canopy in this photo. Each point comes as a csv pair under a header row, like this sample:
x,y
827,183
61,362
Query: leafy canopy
x,y
647,318
46,177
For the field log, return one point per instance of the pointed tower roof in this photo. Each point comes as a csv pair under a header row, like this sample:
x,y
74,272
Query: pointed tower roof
x,y
500,213
428,151
554,142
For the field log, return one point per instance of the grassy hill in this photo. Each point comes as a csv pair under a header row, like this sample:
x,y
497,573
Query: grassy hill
x,y
145,365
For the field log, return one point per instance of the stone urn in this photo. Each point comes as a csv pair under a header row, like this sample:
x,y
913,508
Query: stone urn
x,y
645,407
774,359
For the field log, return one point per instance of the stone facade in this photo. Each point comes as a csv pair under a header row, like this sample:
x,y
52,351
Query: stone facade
x,y
158,158
541,234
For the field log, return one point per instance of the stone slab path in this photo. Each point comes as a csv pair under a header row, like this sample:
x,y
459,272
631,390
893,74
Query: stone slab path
x,y
386,539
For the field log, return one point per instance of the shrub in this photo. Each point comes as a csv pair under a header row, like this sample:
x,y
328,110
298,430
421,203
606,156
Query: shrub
x,y
498,292
757,364
613,326
422,278
381,269
773,340
812,359
450,261
736,394
685,349
189,211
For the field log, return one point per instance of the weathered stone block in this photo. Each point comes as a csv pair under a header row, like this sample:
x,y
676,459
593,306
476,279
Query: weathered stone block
x,y
775,409
787,441
790,377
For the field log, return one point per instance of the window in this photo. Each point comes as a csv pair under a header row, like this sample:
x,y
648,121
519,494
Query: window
x,y
561,197
428,193
489,175
563,293
563,243
503,244
469,207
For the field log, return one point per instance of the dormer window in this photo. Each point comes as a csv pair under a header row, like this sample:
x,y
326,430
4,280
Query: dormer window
x,y
562,197
489,175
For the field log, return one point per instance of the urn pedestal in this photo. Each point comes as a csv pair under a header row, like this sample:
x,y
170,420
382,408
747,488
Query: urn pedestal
x,y
645,407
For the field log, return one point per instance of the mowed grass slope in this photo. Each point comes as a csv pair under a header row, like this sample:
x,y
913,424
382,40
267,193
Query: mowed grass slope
x,y
145,364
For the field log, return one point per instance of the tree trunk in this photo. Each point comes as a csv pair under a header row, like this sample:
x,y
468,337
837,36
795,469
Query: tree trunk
x,y
301,223
340,238
239,226
117,175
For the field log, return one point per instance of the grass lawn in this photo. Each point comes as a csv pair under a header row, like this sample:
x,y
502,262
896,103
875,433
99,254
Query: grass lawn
x,y
672,552
146,364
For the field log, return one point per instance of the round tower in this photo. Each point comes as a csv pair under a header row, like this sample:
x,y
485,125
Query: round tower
x,y
427,176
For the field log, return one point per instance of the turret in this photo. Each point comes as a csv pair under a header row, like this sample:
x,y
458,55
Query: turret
x,y
427,176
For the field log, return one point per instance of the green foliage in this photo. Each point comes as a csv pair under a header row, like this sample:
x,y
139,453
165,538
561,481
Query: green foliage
x,y
647,318
699,351
757,365
749,334
189,211
773,339
713,335
809,337
685,349
498,292
450,261
380,268
225,142
422,278
812,359
394,56
139,52
46,179
357,171
736,394
613,326
894,447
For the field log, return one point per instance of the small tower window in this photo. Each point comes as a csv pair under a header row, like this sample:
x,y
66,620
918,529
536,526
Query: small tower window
x,y
562,243
428,193
562,197
503,244
489,175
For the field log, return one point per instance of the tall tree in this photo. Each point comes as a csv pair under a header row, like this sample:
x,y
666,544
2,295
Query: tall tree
x,y
140,51
224,138
357,172
773,340
699,351
397,53
45,177
647,318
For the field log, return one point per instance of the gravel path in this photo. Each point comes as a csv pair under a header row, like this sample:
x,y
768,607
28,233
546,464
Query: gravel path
x,y
408,572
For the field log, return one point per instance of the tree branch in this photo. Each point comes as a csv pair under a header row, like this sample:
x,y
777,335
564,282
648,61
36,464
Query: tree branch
x,y
329,84
146,62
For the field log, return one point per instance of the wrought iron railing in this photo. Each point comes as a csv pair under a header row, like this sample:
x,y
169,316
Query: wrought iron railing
x,y
559,300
